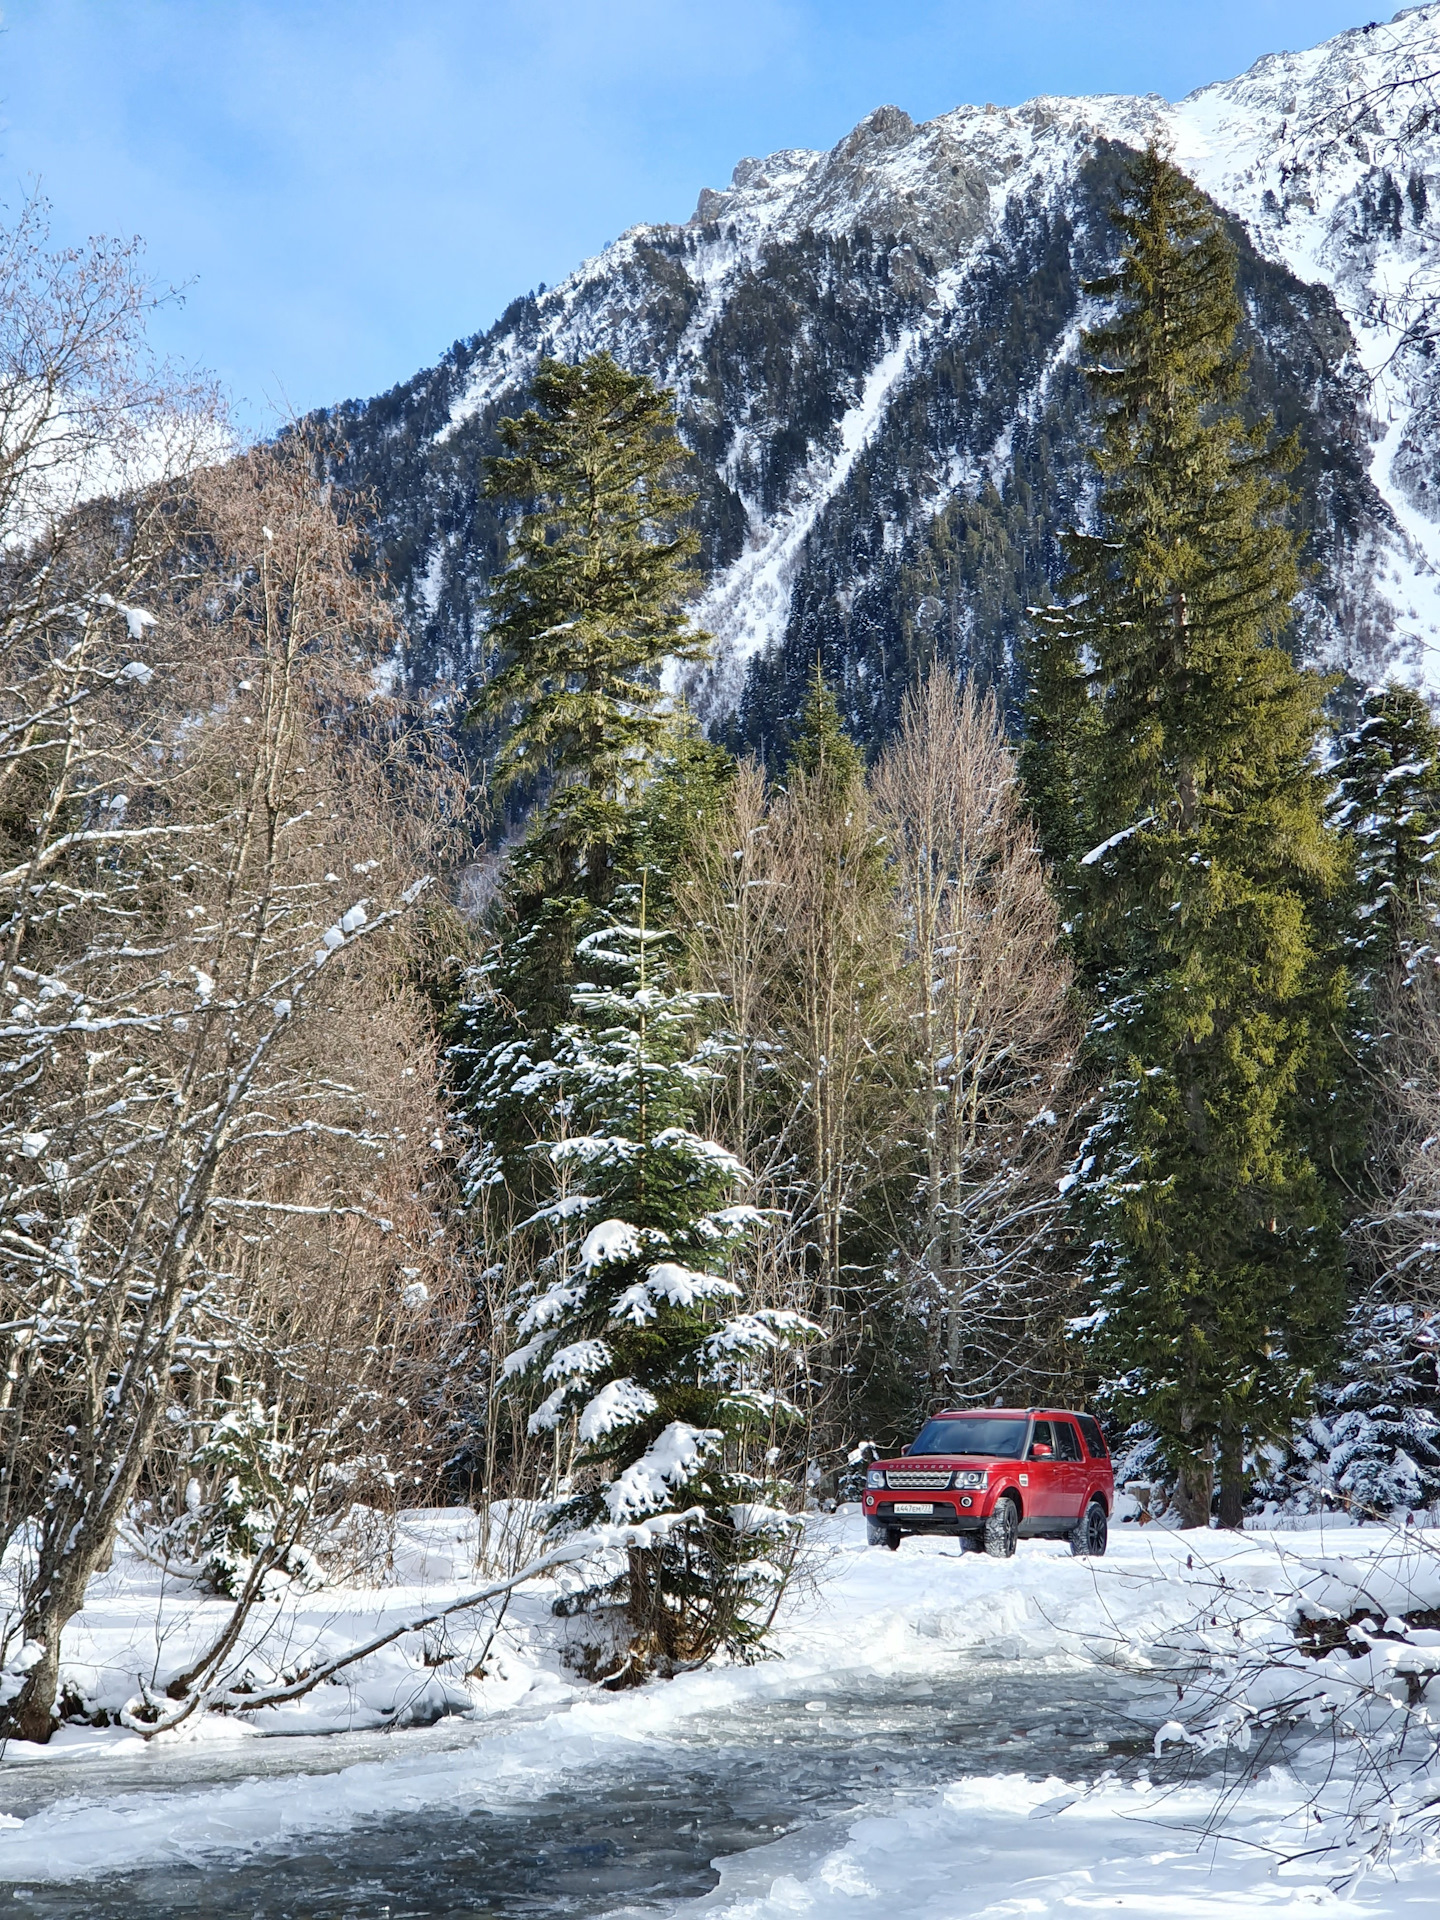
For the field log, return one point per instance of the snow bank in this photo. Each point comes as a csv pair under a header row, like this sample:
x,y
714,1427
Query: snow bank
x,y
1000,1847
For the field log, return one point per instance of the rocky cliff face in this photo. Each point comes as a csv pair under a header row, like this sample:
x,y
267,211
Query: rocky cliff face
x,y
875,355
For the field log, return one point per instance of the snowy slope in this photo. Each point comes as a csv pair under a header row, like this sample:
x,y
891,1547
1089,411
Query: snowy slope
x,y
1266,147
863,339
1357,213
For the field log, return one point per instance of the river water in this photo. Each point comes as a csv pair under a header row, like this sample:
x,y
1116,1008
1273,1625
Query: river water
x,y
639,1834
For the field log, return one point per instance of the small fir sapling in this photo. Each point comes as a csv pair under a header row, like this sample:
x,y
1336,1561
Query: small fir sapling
x,y
255,1497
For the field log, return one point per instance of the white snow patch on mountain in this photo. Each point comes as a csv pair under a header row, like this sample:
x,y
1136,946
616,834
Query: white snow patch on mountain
x,y
747,606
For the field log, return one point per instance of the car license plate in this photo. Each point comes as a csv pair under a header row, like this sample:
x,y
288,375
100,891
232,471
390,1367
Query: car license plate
x,y
914,1506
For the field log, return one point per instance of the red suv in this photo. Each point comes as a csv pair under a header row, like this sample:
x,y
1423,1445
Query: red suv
x,y
994,1476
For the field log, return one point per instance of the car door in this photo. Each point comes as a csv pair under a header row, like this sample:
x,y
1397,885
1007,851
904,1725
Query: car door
x,y
1038,1477
1071,1473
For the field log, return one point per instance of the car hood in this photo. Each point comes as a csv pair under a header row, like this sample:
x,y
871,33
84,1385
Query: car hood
x,y
942,1462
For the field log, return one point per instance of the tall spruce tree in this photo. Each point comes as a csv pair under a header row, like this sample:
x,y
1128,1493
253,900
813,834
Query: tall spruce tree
x,y
582,1092
1193,775
589,606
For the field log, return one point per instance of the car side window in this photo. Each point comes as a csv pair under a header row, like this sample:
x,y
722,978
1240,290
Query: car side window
x,y
1094,1439
1069,1447
1041,1437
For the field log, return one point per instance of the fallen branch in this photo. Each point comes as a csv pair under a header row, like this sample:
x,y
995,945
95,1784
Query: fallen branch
x,y
226,1699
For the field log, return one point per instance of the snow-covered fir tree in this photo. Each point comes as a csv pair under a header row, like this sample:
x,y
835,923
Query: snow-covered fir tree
x,y
1373,1442
660,1386
1387,806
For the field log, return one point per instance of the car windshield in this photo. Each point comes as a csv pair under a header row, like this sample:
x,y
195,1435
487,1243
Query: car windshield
x,y
996,1439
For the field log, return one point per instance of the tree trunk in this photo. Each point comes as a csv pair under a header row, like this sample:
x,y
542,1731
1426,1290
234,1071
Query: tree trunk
x,y
1195,1487
31,1714
1232,1477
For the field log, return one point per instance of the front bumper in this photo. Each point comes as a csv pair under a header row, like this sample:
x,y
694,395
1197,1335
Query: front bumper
x,y
949,1512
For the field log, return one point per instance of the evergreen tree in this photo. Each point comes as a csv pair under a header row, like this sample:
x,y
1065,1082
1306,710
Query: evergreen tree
x,y
1375,1435
823,751
1213,1236
583,616
1388,808
589,606
1373,1442
501,1033
1058,721
660,1393
673,813
659,1385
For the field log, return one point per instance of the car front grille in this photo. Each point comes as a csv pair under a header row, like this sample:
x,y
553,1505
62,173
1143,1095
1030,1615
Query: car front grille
x,y
916,1482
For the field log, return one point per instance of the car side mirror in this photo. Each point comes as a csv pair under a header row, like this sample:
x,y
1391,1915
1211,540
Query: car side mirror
x,y
1042,1452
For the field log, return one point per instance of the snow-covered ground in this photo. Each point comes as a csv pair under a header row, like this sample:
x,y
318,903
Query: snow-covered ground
x,y
1008,1839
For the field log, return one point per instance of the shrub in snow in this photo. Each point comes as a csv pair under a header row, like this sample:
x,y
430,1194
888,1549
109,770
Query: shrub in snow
x,y
660,1386
253,1502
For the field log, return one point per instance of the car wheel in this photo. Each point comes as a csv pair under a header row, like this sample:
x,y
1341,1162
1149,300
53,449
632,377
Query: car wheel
x,y
1091,1532
1001,1530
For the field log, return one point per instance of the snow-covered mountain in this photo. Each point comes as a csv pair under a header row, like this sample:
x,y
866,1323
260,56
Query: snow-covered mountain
x,y
875,355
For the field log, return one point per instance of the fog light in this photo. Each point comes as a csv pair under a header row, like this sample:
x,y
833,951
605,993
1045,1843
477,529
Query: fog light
x,y
965,1500
869,1499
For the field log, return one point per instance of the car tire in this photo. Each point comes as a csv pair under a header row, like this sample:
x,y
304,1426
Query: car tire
x,y
1001,1530
879,1535
1091,1532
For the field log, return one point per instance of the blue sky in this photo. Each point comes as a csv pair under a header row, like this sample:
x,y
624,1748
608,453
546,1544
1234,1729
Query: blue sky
x,y
343,187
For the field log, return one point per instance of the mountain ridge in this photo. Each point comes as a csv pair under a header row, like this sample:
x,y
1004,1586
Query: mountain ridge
x,y
874,403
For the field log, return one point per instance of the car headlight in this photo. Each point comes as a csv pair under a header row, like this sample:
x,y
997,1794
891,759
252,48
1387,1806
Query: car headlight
x,y
875,1477
971,1477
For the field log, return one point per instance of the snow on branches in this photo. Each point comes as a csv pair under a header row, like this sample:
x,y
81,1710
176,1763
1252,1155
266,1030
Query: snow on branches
x,y
201,1127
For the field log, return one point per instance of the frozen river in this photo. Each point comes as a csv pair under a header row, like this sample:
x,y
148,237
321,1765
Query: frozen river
x,y
638,1831
940,1738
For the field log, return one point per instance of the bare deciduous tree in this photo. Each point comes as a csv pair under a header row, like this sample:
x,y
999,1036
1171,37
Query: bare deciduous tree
x,y
992,1035
898,1014
217,1104
835,1009
793,933
1396,1239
